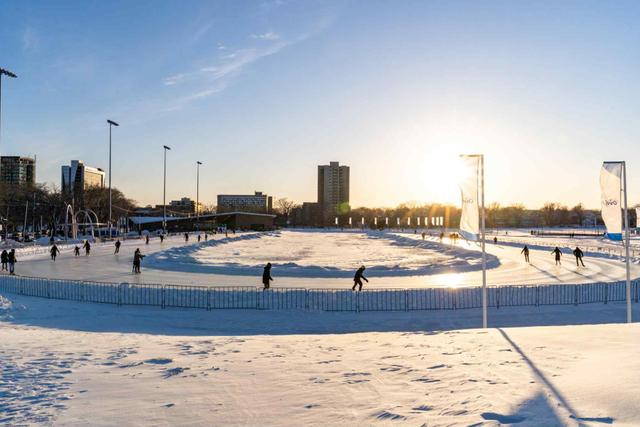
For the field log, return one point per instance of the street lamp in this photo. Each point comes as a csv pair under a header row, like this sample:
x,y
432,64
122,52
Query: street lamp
x,y
7,73
198,163
164,193
111,124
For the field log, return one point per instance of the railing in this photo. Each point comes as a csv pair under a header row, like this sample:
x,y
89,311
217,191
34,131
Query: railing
x,y
239,297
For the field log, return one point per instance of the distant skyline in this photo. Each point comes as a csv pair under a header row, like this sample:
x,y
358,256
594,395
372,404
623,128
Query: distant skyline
x,y
262,92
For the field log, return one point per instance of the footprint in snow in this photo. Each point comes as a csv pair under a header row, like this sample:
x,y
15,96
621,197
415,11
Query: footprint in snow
x,y
158,361
173,372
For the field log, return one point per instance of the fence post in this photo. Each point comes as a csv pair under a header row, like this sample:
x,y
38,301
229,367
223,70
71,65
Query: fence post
x,y
537,295
163,291
306,299
208,299
257,299
49,289
406,300
606,293
358,301
575,296
497,298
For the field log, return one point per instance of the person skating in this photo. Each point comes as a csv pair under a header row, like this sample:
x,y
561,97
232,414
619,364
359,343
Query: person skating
x,y
266,276
558,254
206,237
137,259
4,258
186,237
198,238
117,247
423,235
146,240
357,279
577,252
87,247
161,238
54,251
12,262
525,251
76,250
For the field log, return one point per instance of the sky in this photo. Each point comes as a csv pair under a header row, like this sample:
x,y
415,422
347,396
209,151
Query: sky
x,y
262,92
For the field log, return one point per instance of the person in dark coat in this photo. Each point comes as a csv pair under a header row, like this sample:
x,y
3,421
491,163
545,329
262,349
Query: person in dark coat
x,y
525,252
266,276
558,254
4,258
12,261
137,259
186,237
76,250
117,247
577,252
87,247
161,238
54,251
146,239
358,278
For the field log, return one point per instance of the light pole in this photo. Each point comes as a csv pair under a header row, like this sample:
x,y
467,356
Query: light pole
x,y
198,163
7,73
164,193
111,124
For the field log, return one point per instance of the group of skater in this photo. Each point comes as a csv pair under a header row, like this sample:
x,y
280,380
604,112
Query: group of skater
x,y
357,278
8,261
557,253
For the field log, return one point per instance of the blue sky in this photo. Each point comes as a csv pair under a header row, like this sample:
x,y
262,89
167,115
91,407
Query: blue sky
x,y
264,91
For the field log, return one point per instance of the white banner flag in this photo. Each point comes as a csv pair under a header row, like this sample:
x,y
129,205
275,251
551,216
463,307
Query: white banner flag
x,y
611,186
470,217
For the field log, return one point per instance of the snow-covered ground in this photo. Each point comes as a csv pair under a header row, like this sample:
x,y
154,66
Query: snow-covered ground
x,y
321,254
76,364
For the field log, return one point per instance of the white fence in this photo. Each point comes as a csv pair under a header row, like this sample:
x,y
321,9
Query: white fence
x,y
211,298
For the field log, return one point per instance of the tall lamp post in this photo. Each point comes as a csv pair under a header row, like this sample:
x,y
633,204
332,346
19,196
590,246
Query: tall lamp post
x,y
111,124
198,163
164,193
7,73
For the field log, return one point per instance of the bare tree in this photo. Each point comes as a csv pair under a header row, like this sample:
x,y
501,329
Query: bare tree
x,y
285,206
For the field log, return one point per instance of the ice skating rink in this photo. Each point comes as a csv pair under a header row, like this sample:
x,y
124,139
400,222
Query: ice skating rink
x,y
324,259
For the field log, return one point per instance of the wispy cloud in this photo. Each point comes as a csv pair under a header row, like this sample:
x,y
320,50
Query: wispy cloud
x,y
30,39
269,35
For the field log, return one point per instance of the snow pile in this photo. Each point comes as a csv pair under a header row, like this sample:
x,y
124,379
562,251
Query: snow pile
x,y
321,254
7,308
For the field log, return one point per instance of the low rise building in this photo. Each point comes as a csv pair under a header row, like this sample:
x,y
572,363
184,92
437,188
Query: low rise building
x,y
257,203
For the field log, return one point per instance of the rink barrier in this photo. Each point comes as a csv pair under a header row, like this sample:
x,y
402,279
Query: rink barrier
x,y
326,299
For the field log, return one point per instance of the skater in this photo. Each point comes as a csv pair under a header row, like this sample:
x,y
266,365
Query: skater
x,y
266,276
87,247
146,240
54,252
423,235
4,257
117,247
441,236
577,252
137,258
357,279
558,254
198,238
161,238
206,237
525,251
186,237
76,250
12,261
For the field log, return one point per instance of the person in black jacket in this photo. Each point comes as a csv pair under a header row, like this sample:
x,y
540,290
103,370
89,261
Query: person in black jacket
x,y
558,254
137,259
525,252
12,261
357,279
5,259
54,252
266,276
578,254
118,243
87,247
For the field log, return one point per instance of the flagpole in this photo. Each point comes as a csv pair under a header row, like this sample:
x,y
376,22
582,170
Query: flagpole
x,y
484,254
626,242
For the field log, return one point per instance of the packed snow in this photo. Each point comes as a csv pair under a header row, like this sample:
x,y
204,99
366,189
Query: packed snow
x,y
321,254
75,364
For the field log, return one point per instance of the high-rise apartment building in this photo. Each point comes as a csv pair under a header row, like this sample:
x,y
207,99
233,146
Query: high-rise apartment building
x,y
16,170
333,189
77,177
